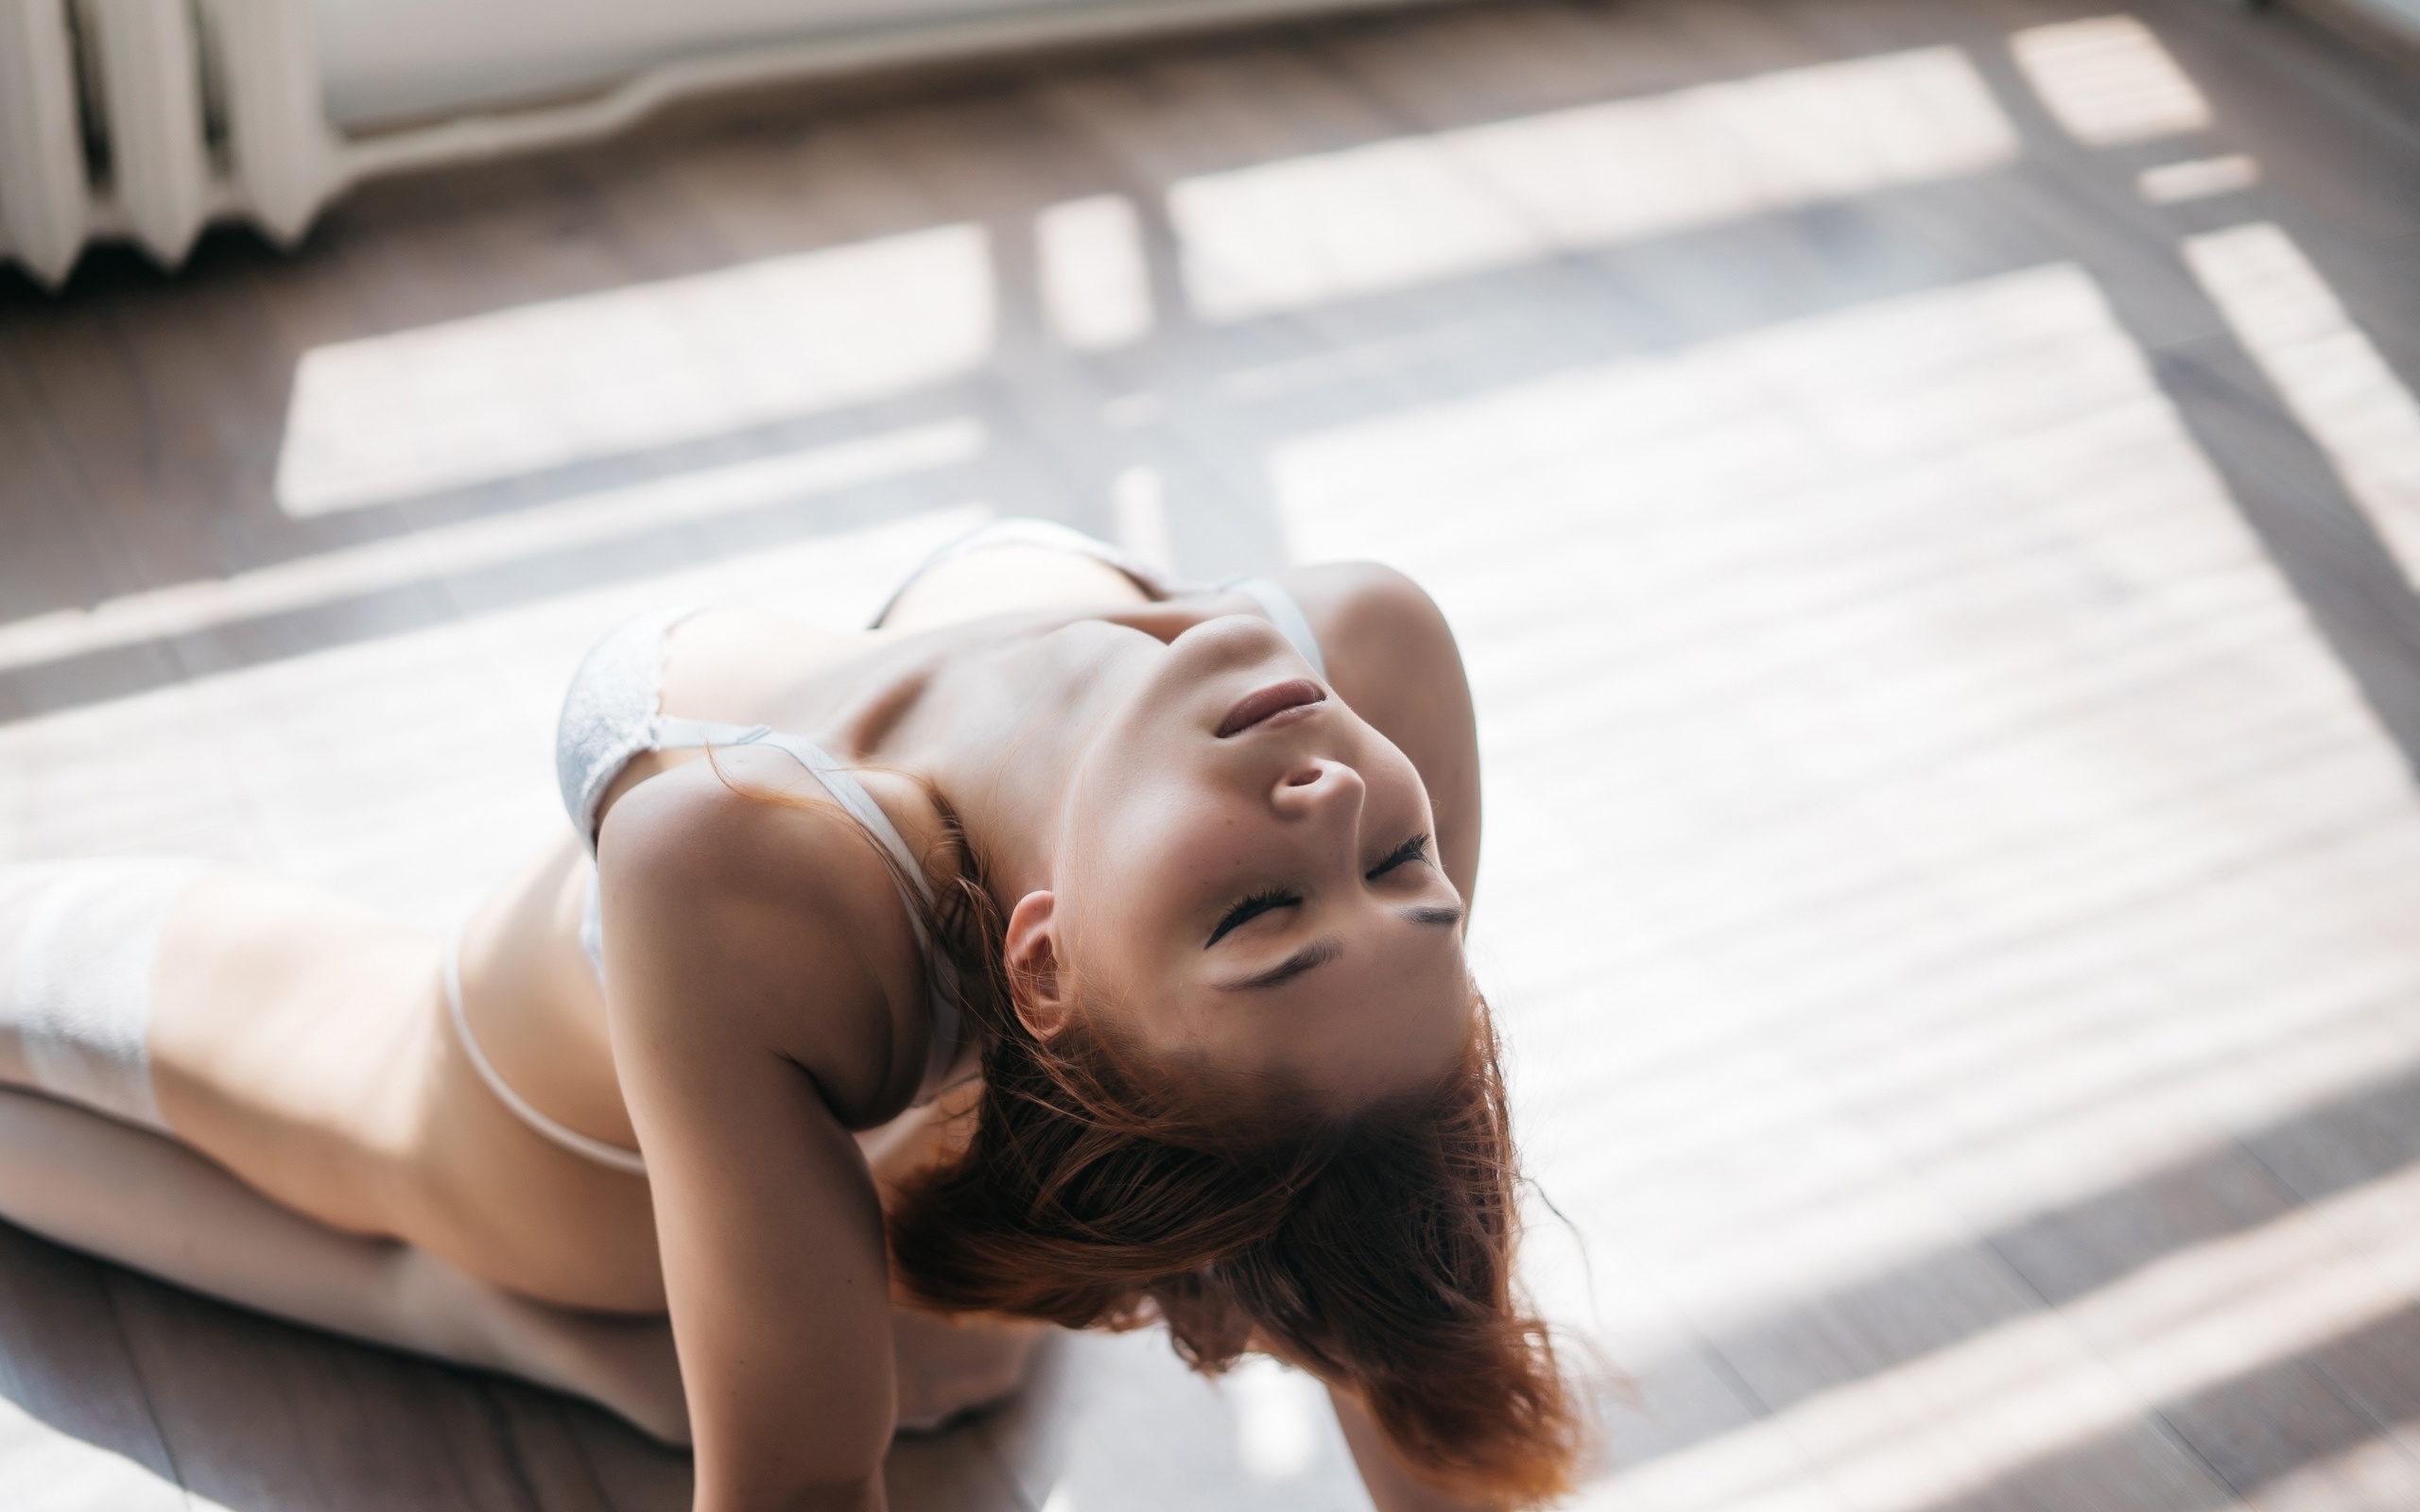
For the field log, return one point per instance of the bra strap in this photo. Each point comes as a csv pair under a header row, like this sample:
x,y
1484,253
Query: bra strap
x,y
1288,616
688,734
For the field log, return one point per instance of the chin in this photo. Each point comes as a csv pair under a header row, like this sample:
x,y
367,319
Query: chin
x,y
1216,661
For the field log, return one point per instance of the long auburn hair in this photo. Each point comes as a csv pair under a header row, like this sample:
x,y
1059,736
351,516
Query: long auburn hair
x,y
1374,1250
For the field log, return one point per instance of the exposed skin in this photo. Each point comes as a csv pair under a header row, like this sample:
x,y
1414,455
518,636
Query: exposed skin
x,y
766,1024
1341,971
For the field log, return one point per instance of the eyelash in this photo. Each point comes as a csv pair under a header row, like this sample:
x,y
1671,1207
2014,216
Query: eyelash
x,y
1248,909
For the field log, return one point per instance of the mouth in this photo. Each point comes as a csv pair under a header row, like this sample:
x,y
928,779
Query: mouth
x,y
1295,694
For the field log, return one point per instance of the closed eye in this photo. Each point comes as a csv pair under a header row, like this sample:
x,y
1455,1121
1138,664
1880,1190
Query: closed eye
x,y
1415,849
1249,909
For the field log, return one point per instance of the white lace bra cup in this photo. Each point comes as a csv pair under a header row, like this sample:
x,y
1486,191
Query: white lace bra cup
x,y
610,714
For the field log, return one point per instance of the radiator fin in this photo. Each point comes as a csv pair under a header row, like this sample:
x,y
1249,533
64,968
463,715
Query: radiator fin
x,y
281,151
150,65
44,207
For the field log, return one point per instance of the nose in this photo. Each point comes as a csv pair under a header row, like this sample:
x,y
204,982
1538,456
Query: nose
x,y
1318,791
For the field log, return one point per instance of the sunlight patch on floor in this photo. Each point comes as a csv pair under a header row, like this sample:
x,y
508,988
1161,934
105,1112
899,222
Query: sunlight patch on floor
x,y
1914,803
2331,375
1950,1423
598,517
54,1473
2173,183
2109,80
609,374
409,771
1096,281
1302,231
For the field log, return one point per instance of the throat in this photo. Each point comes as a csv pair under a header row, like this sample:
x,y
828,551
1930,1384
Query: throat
x,y
1002,735
870,723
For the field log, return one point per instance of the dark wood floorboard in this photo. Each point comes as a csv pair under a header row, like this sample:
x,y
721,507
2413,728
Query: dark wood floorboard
x,y
64,1366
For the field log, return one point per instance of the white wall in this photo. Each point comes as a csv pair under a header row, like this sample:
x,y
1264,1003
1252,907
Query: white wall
x,y
385,60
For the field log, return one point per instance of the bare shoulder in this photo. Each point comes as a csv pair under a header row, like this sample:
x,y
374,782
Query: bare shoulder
x,y
1389,649
737,894
1368,601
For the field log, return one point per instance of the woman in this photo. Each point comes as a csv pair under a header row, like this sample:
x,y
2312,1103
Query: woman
x,y
1098,961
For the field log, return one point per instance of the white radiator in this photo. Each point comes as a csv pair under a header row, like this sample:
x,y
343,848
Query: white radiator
x,y
149,118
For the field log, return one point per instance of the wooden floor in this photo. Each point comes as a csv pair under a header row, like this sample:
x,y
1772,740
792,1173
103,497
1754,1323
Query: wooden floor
x,y
1929,491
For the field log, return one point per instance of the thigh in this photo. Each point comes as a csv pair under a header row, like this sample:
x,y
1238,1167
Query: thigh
x,y
1008,579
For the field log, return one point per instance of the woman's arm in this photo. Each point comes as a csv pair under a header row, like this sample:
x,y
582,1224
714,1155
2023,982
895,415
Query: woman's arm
x,y
745,1018
1391,1487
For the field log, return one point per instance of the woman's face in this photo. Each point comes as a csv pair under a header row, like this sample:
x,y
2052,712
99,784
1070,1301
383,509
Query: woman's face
x,y
1245,876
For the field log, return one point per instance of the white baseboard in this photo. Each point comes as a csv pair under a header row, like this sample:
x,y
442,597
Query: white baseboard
x,y
1036,28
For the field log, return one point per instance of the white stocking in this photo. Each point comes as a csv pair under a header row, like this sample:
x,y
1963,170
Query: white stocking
x,y
77,940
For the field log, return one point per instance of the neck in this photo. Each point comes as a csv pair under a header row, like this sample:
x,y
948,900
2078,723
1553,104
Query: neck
x,y
1000,733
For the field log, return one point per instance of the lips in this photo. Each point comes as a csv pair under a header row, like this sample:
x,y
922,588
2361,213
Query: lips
x,y
1268,703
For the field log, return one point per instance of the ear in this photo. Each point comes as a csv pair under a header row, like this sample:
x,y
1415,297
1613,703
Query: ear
x,y
1038,978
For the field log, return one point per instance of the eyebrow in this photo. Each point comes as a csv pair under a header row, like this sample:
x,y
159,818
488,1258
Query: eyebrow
x,y
1319,951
